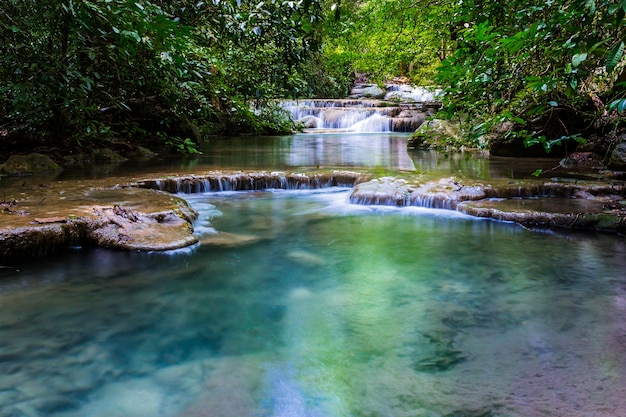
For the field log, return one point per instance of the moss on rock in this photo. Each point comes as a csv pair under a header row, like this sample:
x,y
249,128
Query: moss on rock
x,y
28,164
437,134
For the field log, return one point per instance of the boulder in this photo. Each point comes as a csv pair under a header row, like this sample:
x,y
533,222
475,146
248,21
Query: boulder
x,y
617,161
437,134
407,121
309,122
141,152
28,164
107,155
367,91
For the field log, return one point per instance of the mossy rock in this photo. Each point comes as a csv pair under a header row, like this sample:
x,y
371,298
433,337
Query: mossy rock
x,y
618,155
28,164
436,134
107,155
141,152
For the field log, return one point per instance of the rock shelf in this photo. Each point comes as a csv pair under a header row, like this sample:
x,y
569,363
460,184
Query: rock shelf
x,y
146,215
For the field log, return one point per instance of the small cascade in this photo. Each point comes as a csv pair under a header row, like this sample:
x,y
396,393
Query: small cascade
x,y
444,194
407,92
397,108
374,123
252,181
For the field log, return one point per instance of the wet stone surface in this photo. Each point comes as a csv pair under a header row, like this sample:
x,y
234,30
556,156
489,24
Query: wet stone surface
x,y
47,219
40,218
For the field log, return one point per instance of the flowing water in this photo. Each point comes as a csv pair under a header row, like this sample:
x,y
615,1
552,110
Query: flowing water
x,y
299,304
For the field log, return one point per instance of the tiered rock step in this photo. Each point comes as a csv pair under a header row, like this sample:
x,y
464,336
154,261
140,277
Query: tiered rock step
x,y
360,116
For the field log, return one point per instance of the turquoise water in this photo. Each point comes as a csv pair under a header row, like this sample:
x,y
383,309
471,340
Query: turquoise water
x,y
298,304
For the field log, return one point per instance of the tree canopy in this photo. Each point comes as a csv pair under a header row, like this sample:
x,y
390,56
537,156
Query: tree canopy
x,y
552,69
81,72
93,70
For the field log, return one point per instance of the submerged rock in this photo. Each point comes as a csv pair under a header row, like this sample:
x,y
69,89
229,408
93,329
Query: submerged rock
x,y
228,240
305,258
441,360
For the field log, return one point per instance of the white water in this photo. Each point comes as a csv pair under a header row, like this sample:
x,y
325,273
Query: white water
x,y
358,115
408,92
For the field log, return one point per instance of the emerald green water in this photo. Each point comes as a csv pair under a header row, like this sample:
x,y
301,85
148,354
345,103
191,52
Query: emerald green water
x,y
299,304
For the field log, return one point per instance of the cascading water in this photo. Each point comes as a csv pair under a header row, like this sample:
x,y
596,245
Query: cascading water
x,y
399,108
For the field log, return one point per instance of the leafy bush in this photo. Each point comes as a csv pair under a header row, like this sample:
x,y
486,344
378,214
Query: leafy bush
x,y
535,64
81,72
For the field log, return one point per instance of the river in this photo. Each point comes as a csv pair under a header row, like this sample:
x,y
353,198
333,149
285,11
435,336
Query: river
x,y
299,304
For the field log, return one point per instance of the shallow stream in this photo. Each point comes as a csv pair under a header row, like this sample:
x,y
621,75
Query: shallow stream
x,y
299,304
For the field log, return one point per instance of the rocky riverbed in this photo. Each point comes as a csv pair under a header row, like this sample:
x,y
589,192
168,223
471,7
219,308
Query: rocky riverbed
x,y
145,214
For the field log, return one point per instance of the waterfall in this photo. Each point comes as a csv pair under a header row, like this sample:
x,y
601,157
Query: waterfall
x,y
398,108
251,181
374,123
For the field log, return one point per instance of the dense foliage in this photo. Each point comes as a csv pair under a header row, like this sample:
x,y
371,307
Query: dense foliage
x,y
547,68
388,38
87,71
84,72
532,70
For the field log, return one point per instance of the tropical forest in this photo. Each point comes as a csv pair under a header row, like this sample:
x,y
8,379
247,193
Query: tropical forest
x,y
312,208
78,75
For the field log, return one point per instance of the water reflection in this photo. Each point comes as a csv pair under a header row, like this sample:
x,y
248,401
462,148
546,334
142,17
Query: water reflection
x,y
346,150
334,310
312,151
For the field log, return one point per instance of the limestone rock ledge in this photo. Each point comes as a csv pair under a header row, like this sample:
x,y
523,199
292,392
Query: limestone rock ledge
x,y
554,205
144,215
121,218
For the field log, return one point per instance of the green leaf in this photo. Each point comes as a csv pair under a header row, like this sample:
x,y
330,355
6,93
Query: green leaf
x,y
619,105
578,59
537,172
132,34
591,5
615,55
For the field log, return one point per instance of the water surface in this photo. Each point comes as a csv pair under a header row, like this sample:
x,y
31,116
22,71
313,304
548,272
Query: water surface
x,y
304,152
298,304
328,310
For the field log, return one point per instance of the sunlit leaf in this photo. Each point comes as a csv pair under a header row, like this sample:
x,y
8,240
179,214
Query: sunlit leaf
x,y
578,59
